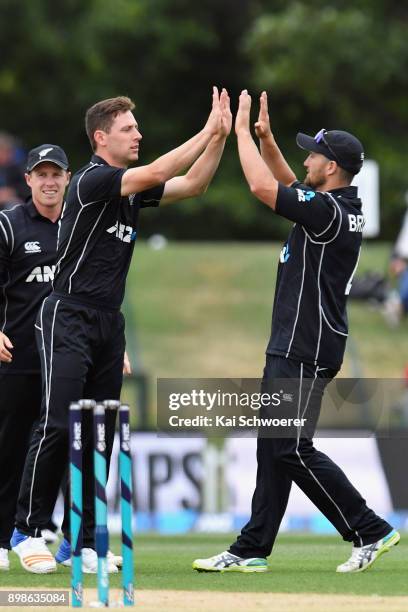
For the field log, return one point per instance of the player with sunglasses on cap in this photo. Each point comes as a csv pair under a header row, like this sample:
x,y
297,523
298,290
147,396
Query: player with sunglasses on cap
x,y
308,339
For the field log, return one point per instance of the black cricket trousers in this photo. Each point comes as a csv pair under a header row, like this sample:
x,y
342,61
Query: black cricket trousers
x,y
282,461
20,401
81,349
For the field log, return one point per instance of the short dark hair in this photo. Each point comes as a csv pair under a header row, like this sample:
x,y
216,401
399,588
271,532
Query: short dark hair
x,y
101,115
346,175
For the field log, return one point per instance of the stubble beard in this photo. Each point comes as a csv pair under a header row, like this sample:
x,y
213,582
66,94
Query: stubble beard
x,y
314,184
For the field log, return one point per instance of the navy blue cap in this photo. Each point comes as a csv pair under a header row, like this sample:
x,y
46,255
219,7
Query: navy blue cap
x,y
47,153
341,147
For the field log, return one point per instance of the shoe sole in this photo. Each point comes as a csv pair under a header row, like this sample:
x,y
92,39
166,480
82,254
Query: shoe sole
x,y
4,569
384,549
242,569
33,570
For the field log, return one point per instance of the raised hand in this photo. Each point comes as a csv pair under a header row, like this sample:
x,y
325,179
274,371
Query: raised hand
x,y
262,126
226,115
244,110
213,124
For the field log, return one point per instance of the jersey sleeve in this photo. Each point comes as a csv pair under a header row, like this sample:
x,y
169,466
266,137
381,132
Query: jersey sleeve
x,y
100,183
152,196
314,210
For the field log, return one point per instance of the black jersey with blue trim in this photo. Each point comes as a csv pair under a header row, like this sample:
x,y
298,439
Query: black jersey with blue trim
x,y
315,272
28,245
97,235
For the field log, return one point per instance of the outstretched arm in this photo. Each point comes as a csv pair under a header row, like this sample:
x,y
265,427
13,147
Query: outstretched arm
x,y
198,178
260,179
270,151
319,216
170,164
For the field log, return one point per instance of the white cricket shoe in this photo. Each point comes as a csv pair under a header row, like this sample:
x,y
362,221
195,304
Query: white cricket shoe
x,y
35,556
227,562
4,560
364,556
90,562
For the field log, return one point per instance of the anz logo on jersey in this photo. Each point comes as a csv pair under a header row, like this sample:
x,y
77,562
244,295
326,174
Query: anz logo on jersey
x,y
123,232
284,254
305,196
41,274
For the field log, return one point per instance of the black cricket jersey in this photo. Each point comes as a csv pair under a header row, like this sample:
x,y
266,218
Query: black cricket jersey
x,y
28,244
97,235
316,269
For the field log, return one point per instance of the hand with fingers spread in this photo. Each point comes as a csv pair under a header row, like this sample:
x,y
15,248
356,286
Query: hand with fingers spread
x,y
213,125
262,126
226,115
5,345
243,114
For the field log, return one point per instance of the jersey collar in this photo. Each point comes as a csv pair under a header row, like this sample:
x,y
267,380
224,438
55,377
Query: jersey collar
x,y
95,159
33,212
347,192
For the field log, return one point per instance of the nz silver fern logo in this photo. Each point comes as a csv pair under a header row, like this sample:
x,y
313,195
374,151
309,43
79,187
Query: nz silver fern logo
x,y
44,152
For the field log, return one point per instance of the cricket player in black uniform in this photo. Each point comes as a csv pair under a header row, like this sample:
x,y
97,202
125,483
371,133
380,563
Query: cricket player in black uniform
x,y
80,328
309,332
28,245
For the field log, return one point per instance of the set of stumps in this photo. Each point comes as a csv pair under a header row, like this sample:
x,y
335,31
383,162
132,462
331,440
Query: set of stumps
x,y
101,514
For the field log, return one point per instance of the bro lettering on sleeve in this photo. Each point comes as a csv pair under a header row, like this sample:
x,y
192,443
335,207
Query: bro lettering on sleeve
x,y
356,223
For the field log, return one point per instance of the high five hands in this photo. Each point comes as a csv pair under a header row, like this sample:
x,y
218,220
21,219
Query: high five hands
x,y
220,119
262,126
219,122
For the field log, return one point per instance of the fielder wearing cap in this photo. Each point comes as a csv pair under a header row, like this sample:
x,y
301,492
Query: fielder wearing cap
x,y
28,246
308,338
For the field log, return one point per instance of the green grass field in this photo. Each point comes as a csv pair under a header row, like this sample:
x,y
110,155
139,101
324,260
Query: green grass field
x,y
299,564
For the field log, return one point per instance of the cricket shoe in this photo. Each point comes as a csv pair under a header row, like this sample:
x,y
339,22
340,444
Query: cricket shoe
x,y
33,553
89,559
364,556
227,562
4,560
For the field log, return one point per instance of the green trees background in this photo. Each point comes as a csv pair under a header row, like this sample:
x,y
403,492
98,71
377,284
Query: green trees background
x,y
333,64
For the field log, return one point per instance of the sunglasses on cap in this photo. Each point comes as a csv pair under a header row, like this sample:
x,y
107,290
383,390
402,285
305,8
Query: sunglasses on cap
x,y
321,137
